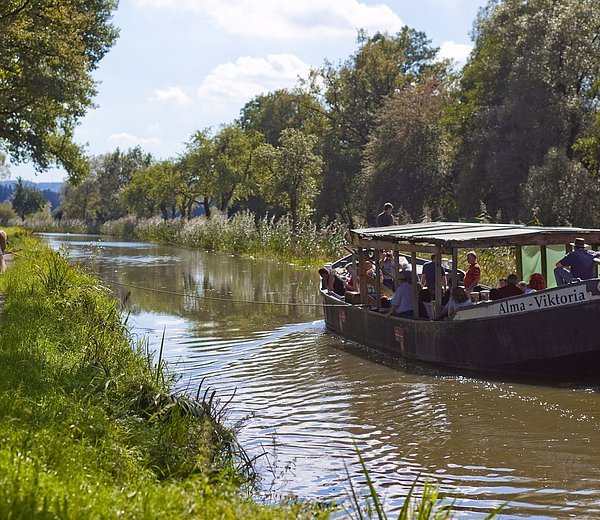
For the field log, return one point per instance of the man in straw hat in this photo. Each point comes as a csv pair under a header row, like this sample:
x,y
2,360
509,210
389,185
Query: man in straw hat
x,y
580,261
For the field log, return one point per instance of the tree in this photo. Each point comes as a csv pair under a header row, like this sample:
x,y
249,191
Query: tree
x,y
528,88
48,51
199,175
561,192
27,201
270,114
351,95
113,172
294,171
81,201
235,154
407,157
156,186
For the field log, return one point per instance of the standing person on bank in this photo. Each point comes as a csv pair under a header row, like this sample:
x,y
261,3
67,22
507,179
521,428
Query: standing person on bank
x,y
581,263
385,218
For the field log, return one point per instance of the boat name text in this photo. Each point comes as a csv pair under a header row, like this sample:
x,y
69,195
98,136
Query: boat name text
x,y
543,301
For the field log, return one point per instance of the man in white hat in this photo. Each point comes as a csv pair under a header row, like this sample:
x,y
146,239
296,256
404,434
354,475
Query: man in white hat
x,y
580,261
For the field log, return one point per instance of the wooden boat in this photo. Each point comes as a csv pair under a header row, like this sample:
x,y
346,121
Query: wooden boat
x,y
546,333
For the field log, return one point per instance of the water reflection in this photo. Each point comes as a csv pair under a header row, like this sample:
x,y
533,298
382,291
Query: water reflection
x,y
317,396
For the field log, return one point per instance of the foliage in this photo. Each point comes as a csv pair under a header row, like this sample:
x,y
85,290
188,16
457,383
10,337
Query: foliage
x,y
272,113
351,95
96,197
407,158
561,192
26,201
48,51
6,213
528,87
294,170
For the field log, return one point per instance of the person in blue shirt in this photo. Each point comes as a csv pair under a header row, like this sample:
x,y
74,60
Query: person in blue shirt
x,y
428,275
580,261
402,303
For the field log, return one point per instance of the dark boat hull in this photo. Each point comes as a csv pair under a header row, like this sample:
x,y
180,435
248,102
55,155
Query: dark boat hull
x,y
562,341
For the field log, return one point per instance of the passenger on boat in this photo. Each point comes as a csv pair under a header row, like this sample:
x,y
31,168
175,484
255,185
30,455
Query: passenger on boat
x,y
473,274
458,300
402,304
428,274
522,285
388,268
502,282
352,283
385,218
510,289
580,261
537,282
332,282
494,294
425,304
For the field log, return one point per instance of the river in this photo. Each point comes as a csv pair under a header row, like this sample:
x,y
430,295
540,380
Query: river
x,y
308,399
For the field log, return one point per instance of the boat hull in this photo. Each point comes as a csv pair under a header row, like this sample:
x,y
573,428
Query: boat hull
x,y
560,341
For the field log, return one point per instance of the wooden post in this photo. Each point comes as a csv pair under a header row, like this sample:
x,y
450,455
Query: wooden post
x,y
519,257
377,255
415,288
437,305
454,267
362,277
544,262
396,265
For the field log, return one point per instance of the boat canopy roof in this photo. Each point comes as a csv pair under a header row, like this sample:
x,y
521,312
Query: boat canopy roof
x,y
445,236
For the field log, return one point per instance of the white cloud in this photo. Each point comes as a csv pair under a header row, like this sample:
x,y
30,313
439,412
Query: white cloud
x,y
459,52
125,140
289,19
171,94
237,82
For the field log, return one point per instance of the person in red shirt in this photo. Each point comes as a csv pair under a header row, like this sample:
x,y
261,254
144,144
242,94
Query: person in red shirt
x,y
473,274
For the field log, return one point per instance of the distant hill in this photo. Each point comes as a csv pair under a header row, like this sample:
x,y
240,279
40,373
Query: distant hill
x,y
50,191
50,186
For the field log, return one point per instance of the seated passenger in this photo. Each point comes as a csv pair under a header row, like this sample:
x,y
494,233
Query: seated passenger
x,y
425,304
332,282
388,269
510,289
458,300
522,285
580,261
402,304
537,282
494,294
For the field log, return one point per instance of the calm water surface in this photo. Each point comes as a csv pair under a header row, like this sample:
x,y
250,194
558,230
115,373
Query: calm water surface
x,y
306,397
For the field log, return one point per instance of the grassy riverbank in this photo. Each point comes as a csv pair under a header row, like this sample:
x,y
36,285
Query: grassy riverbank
x,y
306,243
88,426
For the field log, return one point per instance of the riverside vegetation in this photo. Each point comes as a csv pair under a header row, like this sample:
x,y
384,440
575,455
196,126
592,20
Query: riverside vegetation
x,y
305,242
90,425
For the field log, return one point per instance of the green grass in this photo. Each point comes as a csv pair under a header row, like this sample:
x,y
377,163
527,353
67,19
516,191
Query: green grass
x,y
89,427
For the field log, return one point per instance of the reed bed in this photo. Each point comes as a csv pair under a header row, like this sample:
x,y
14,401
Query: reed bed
x,y
305,243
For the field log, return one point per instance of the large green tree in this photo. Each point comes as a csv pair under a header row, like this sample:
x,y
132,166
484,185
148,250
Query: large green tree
x,y
527,88
294,170
351,94
48,51
270,114
407,158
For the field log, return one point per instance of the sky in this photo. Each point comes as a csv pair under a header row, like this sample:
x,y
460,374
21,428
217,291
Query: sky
x,y
180,66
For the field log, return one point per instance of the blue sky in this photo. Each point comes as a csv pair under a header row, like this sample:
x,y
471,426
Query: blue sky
x,y
183,65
